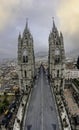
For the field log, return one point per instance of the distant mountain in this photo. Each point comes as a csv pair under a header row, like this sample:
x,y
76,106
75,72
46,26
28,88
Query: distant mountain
x,y
73,54
41,54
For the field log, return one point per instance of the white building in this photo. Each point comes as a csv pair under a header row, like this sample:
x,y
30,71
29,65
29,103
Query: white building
x,y
71,74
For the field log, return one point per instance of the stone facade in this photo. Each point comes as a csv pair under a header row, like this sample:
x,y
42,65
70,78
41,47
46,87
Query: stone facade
x,y
56,60
26,59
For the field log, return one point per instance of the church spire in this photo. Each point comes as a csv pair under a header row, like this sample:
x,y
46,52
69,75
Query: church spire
x,y
26,30
26,27
61,38
61,35
53,23
19,37
54,28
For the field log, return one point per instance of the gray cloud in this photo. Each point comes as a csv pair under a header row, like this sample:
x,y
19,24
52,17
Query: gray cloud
x,y
40,15
68,15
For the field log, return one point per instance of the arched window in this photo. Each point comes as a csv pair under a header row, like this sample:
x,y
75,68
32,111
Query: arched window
x,y
26,87
25,74
25,57
57,60
57,43
58,73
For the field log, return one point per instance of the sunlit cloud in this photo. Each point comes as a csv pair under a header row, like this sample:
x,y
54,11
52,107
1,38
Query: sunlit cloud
x,y
68,13
6,11
11,9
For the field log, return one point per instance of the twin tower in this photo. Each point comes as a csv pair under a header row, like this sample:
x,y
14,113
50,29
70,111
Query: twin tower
x,y
26,59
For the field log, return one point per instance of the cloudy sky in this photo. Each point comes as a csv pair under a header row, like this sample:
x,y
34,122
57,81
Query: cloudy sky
x,y
13,14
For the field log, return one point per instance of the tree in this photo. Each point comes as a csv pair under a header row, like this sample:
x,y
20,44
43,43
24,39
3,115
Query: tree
x,y
5,101
78,62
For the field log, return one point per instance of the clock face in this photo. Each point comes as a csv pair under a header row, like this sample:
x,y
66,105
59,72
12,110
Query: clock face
x,y
57,52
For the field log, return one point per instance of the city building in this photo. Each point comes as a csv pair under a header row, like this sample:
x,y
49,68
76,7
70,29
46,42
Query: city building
x,y
71,74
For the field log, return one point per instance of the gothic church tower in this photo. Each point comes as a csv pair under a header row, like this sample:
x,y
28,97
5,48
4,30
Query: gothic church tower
x,y
56,59
26,59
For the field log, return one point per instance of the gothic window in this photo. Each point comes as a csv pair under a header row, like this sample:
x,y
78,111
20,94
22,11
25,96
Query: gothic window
x,y
57,60
56,43
26,38
25,57
25,74
21,81
26,87
57,73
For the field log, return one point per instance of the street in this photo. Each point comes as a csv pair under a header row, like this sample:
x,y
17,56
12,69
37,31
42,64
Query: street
x,y
41,113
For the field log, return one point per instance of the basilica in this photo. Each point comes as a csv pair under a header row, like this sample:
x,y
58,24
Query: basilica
x,y
26,59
